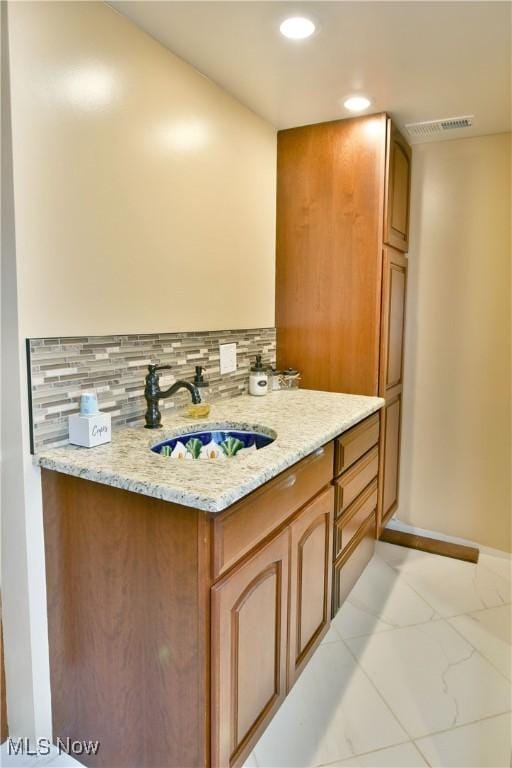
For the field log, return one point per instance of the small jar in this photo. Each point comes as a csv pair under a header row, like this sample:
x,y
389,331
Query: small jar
x,y
258,379
290,379
274,379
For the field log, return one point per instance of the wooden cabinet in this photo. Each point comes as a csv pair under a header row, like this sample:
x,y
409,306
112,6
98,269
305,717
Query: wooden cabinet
x,y
182,630
394,285
330,180
249,642
397,190
240,528
391,428
310,580
391,382
351,564
355,443
268,615
343,192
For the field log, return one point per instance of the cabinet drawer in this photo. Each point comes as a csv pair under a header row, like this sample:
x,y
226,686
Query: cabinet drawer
x,y
349,523
355,480
349,567
240,528
356,442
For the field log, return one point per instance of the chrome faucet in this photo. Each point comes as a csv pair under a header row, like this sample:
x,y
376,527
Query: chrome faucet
x,y
153,394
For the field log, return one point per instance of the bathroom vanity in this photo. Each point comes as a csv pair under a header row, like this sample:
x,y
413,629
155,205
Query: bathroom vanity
x,y
185,597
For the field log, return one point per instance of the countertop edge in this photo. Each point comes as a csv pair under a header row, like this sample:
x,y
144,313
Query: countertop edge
x,y
210,505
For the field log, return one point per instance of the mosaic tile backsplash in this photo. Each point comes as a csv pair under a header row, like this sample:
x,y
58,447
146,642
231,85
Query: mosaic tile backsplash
x,y
115,368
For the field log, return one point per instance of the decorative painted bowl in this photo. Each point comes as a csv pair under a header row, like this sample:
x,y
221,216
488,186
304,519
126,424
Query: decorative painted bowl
x,y
214,444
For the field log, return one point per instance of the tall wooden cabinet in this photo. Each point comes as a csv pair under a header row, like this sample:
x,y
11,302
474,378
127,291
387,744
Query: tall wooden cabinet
x,y
341,274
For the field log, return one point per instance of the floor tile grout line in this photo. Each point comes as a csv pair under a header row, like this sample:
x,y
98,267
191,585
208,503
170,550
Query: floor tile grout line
x,y
478,651
395,567
378,692
437,617
364,754
403,574
423,599
456,728
421,752
464,725
461,725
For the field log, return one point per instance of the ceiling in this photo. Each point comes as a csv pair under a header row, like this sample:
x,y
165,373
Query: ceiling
x,y
417,60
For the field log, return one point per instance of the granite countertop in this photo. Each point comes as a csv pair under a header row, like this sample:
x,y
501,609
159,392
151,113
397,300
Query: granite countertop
x,y
303,419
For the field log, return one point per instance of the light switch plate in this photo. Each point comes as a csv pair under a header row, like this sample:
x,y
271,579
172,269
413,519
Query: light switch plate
x,y
227,358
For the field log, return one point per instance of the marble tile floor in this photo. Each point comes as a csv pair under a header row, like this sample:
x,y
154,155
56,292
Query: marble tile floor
x,y
415,671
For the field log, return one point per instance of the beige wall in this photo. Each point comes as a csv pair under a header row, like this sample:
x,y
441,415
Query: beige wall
x,y
456,433
144,194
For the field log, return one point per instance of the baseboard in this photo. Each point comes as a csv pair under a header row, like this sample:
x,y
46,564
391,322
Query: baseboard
x,y
397,525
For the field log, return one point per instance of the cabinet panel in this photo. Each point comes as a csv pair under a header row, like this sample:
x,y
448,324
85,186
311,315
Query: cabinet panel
x,y
398,184
240,528
393,319
391,455
310,585
348,525
249,636
356,442
351,564
330,199
355,480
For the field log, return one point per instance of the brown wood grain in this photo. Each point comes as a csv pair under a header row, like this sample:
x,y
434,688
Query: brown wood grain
x,y
242,526
389,481
330,202
349,523
249,640
398,190
351,445
394,289
428,544
310,580
128,620
356,479
351,564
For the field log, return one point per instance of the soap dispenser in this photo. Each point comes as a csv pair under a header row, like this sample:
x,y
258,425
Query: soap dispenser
x,y
258,379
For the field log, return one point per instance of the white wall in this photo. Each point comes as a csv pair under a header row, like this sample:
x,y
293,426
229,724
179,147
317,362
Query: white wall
x,y
456,461
145,195
23,580
141,198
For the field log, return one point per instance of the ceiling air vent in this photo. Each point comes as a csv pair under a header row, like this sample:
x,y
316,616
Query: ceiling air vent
x,y
430,127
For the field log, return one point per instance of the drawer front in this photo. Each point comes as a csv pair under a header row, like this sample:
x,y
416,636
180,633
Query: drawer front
x,y
237,530
356,442
349,567
349,523
355,480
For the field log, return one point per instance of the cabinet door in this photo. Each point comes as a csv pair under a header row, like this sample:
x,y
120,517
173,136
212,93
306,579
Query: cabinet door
x,y
397,193
310,584
391,427
394,286
249,635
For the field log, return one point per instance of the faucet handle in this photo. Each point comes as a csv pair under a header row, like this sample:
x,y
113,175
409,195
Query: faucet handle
x,y
155,367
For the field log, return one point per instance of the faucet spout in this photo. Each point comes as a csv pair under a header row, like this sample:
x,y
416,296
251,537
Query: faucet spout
x,y
153,394
194,392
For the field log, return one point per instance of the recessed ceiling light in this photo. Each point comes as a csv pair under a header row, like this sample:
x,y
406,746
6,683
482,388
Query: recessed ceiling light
x,y
297,27
357,103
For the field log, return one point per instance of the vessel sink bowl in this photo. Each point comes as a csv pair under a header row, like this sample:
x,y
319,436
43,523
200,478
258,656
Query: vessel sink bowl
x,y
215,443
